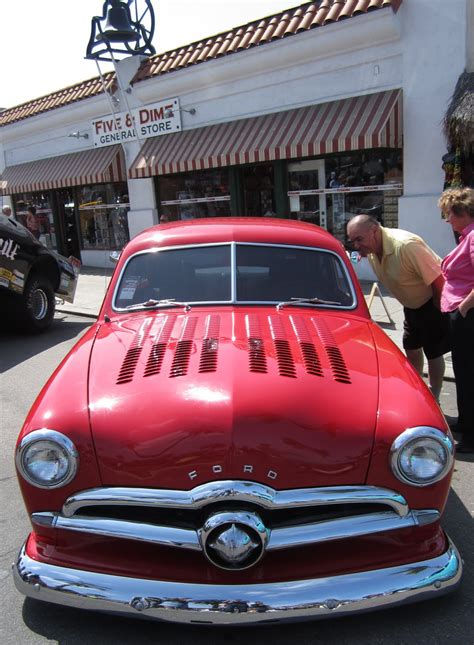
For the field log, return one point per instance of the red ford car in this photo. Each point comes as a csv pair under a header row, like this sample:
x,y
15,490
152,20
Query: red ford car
x,y
234,441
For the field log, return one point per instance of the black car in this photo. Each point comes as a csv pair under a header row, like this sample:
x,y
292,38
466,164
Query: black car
x,y
31,276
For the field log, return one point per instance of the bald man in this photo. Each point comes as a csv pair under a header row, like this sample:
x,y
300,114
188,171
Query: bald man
x,y
6,210
408,268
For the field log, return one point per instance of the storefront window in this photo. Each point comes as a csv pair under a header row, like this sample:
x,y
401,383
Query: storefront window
x,y
350,184
34,211
364,182
103,216
203,193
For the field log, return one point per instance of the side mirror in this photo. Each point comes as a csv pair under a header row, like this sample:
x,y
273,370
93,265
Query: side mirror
x,y
115,256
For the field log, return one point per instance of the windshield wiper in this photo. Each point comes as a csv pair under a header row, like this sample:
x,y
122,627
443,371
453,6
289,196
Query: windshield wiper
x,y
157,304
306,301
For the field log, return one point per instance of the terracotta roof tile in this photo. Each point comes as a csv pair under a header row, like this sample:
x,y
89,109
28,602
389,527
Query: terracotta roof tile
x,y
66,96
186,57
225,44
335,10
258,33
195,54
320,15
348,9
308,17
361,7
282,25
217,45
295,21
270,30
177,59
244,43
254,34
236,39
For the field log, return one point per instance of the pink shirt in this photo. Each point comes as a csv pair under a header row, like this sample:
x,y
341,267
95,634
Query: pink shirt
x,y
458,271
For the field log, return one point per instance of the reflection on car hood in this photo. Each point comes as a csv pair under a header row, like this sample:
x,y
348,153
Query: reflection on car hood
x,y
287,398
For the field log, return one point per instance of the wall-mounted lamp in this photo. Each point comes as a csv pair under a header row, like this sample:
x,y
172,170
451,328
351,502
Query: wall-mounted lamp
x,y
169,113
79,135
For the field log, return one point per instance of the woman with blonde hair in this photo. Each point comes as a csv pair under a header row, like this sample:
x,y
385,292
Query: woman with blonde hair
x,y
457,301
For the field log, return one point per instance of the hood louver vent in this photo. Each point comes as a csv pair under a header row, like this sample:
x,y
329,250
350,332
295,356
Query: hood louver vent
x,y
130,361
210,346
338,366
286,366
257,359
161,338
311,359
184,346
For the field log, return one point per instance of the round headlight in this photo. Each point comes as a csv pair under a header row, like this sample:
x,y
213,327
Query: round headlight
x,y
421,456
47,459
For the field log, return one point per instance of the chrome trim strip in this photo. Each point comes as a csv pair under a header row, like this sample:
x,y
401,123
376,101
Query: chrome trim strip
x,y
345,527
141,531
240,491
279,538
239,604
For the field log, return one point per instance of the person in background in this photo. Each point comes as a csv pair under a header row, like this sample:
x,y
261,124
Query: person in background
x,y
407,266
32,223
457,301
7,211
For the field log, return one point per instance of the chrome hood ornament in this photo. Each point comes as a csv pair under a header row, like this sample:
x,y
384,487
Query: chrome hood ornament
x,y
234,540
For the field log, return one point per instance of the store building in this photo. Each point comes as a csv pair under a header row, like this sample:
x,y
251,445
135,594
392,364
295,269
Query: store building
x,y
317,113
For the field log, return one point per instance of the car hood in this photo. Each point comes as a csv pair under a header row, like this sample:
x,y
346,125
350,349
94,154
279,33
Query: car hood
x,y
288,398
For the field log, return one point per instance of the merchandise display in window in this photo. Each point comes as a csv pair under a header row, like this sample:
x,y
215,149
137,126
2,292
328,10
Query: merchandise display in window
x,y
103,216
346,185
203,193
34,211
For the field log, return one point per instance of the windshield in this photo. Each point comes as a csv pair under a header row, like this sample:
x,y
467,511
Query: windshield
x,y
250,273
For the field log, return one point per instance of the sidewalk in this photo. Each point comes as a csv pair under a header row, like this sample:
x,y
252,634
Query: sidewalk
x,y
90,291
93,282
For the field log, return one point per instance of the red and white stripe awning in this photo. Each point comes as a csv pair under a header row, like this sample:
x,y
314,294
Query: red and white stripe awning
x,y
358,123
97,166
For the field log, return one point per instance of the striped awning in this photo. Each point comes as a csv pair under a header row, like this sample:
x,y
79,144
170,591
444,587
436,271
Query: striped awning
x,y
97,166
358,123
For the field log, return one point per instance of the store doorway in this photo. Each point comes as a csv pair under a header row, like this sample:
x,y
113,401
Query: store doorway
x,y
258,190
66,208
307,181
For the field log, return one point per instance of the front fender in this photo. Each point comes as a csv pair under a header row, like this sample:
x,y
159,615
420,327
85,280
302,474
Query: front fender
x,y
63,406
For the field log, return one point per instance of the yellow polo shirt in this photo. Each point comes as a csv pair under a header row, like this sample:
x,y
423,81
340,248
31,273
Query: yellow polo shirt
x,y
408,267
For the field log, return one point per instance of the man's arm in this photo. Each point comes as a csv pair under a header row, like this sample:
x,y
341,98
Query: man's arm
x,y
437,287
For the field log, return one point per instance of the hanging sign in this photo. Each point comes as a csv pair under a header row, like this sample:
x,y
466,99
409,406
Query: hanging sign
x,y
140,123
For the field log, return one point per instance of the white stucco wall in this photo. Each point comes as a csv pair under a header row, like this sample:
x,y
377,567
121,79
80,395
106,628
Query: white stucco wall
x,y
434,55
421,49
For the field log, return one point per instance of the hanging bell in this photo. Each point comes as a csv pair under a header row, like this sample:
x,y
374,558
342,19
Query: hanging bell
x,y
117,27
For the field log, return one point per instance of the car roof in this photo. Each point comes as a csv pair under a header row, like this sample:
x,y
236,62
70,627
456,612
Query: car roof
x,y
264,230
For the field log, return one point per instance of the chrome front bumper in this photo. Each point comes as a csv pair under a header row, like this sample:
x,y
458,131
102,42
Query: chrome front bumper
x,y
239,604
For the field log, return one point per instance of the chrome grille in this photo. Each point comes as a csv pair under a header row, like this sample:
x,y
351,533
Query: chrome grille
x,y
293,518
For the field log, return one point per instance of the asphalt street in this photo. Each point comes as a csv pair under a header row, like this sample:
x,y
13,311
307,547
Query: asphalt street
x,y
27,362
